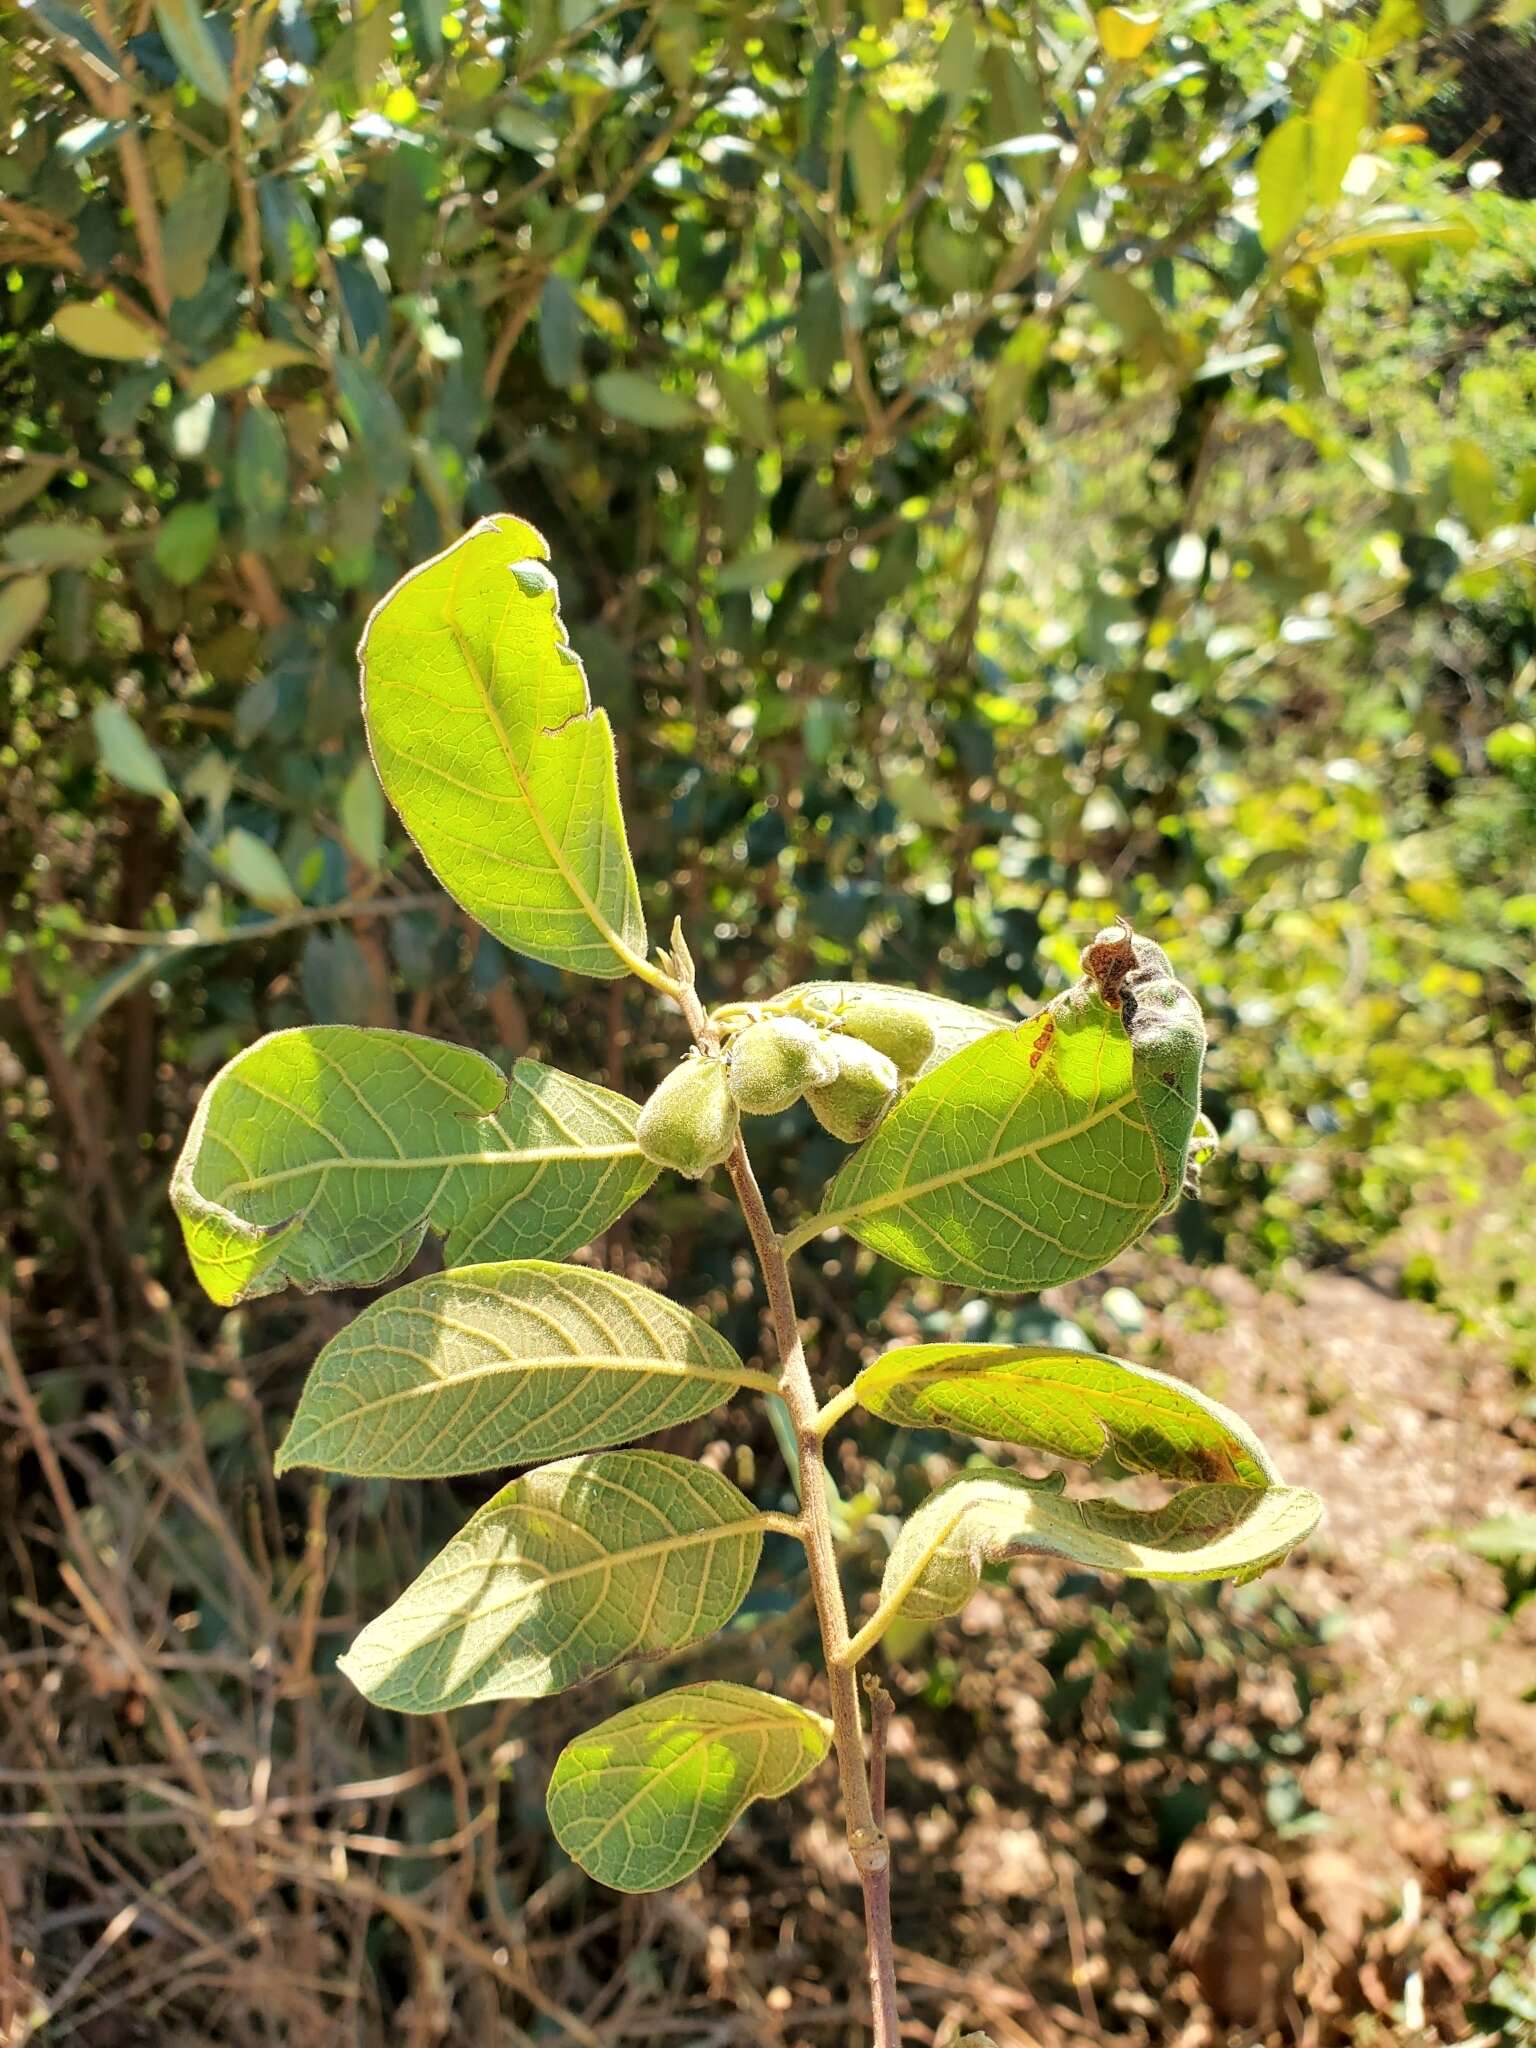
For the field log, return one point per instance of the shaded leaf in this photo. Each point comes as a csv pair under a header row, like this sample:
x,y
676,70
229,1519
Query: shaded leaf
x,y
256,870
191,43
487,745
986,1517
645,1798
321,1157
362,814
56,544
194,226
125,753
186,541
76,28
559,1577
23,606
644,403
502,1364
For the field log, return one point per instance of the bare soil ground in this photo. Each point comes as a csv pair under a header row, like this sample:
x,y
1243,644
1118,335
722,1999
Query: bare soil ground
x,y
1119,1815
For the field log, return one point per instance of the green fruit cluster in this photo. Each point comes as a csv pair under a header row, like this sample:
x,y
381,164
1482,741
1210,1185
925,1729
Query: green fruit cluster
x,y
690,1122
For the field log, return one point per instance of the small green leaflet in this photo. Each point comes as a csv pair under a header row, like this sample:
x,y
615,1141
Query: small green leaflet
x,y
988,1515
321,1156
1033,1155
645,1798
562,1575
954,1024
1074,1404
502,1364
487,745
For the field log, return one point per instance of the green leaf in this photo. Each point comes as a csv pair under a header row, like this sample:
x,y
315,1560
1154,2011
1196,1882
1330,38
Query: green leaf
x,y
256,870
768,565
642,1800
562,1575
261,474
487,745
383,441
23,607
503,1364
559,332
97,329
1337,120
70,23
1073,1404
1284,170
242,363
629,396
953,1024
1033,1155
190,42
194,227
1405,237
322,1156
749,403
186,541
874,154
56,544
988,1516
125,753
362,814
1125,32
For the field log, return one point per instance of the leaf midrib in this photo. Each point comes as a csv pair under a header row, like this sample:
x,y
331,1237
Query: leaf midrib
x,y
542,1156
871,1205
648,1368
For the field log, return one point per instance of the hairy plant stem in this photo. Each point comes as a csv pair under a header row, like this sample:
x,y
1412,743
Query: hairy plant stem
x,y
866,1837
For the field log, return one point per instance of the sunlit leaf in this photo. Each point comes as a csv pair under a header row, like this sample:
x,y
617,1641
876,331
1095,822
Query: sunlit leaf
x,y
563,1574
1284,170
1340,110
1035,1154
1074,1404
97,329
645,1798
1124,32
503,1364
487,745
322,1156
242,363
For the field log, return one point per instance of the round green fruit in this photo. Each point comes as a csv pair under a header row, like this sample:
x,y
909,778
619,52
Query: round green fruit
x,y
867,1084
772,1063
900,1030
691,1121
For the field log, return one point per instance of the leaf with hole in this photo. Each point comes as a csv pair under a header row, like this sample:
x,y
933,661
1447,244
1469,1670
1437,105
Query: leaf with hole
x,y
1073,1404
563,1574
504,1364
645,1798
321,1156
1033,1155
988,1516
487,745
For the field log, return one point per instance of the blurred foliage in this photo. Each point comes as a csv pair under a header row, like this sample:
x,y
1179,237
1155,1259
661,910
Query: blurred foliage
x,y
1001,468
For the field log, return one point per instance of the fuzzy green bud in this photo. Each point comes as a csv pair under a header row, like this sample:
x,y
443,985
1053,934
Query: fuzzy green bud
x,y
691,1121
773,1062
867,1084
900,1030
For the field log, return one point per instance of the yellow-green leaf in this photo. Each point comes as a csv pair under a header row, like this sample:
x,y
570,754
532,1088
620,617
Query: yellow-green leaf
x,y
487,745
989,1516
321,1156
1337,120
503,1364
641,1801
1124,32
23,606
97,329
1033,1155
242,363
563,1574
1073,1404
1284,170
256,870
